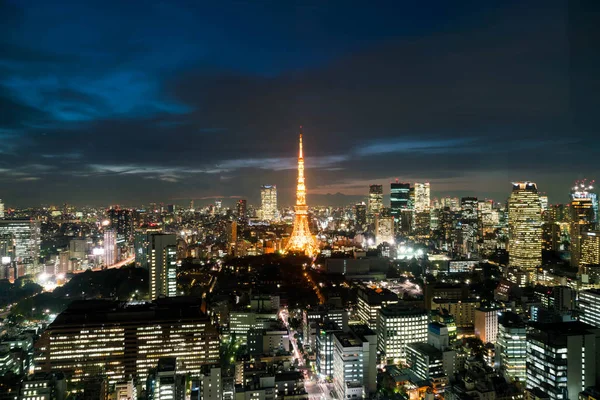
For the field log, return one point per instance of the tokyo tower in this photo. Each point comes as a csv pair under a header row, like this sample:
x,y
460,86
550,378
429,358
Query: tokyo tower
x,y
301,239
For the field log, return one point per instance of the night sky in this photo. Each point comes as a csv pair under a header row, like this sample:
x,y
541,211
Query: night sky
x,y
130,102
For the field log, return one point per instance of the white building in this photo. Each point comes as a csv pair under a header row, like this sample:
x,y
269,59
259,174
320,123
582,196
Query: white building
x,y
26,235
397,327
422,197
354,363
110,247
486,324
268,198
511,347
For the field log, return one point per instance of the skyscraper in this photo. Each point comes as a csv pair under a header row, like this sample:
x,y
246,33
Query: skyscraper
x,y
26,235
525,227
360,215
399,198
512,346
375,204
268,197
1,209
162,264
301,239
422,197
110,247
384,230
583,218
122,222
242,209
468,225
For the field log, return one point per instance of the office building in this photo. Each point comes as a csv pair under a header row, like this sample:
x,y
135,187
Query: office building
x,y
486,324
242,209
211,383
439,336
399,198
427,363
1,209
511,346
397,327
162,265
165,383
589,307
525,228
375,204
324,348
590,250
422,193
26,235
582,221
384,230
463,310
110,247
268,198
370,301
121,220
354,363
241,322
360,217
116,340
561,358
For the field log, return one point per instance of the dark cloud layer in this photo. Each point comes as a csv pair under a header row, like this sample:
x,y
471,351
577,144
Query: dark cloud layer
x,y
118,103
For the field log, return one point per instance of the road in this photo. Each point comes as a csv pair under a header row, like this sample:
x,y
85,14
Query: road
x,y
120,264
315,390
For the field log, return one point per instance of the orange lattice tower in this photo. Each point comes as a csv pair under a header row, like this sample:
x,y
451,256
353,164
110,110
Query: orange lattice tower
x,y
301,239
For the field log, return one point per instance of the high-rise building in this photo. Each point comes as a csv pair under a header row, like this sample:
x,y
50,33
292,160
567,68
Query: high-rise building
x,y
582,214
422,197
301,239
384,230
121,221
268,197
590,250
399,198
397,327
360,215
486,324
375,204
26,235
162,265
511,346
116,340
355,362
525,227
324,347
1,209
562,358
242,212
110,246
584,190
164,382
468,225
370,301
589,307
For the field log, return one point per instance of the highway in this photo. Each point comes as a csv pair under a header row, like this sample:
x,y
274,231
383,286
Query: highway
x,y
120,264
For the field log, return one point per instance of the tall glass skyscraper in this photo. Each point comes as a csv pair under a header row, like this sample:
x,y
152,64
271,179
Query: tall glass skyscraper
x,y
268,198
422,197
399,198
525,227
375,205
26,235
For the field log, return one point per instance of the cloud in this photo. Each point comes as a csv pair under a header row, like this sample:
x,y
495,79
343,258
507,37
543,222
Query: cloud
x,y
471,97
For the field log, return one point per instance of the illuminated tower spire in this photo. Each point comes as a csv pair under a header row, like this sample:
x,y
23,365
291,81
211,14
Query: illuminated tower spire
x,y
301,239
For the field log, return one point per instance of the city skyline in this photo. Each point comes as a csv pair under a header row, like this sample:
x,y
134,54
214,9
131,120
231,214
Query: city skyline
x,y
466,97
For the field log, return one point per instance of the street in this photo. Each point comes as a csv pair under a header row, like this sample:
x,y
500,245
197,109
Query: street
x,y
315,390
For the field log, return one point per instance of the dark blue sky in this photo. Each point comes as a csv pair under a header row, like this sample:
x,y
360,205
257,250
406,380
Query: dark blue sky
x,y
131,102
